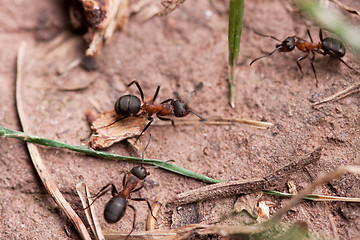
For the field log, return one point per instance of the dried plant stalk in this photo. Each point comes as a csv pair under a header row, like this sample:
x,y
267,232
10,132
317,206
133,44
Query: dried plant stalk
x,y
37,161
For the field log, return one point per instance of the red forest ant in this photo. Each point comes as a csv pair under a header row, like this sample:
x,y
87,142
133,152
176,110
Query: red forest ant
x,y
326,46
131,105
133,181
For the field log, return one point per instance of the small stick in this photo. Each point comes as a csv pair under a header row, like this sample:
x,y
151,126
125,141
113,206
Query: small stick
x,y
215,121
86,200
341,94
37,161
231,188
155,208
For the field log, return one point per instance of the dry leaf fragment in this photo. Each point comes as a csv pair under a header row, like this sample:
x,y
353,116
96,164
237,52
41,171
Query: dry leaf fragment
x,y
110,128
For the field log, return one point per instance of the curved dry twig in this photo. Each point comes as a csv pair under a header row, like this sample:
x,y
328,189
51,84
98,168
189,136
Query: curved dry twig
x,y
37,161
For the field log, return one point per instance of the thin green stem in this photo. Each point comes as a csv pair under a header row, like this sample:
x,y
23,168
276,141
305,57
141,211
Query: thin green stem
x,y
7,133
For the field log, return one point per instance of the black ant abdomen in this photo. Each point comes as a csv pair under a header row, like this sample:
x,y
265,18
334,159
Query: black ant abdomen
x,y
333,46
128,105
115,209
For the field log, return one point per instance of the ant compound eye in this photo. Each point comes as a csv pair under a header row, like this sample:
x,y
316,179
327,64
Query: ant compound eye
x,y
180,108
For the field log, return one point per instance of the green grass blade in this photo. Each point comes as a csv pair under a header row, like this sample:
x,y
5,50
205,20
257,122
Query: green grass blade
x,y
7,133
235,28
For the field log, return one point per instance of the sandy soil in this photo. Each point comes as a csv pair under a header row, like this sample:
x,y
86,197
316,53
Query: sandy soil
x,y
177,52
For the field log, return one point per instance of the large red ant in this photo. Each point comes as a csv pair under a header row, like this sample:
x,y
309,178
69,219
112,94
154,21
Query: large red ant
x,y
131,105
133,181
326,46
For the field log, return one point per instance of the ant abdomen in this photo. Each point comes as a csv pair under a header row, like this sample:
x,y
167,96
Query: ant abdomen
x,y
128,105
115,209
334,46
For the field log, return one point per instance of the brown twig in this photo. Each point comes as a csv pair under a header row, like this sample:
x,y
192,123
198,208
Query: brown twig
x,y
231,188
214,121
87,201
37,161
340,95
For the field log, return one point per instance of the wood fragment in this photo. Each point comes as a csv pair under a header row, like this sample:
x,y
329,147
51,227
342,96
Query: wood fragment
x,y
231,188
155,208
37,161
169,6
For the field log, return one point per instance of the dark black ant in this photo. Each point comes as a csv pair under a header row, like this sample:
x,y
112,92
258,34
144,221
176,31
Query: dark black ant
x,y
133,181
131,105
326,46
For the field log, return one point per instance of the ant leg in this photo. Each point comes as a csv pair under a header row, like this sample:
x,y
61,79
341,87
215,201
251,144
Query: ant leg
x,y
342,61
115,122
134,220
168,100
140,90
102,191
139,188
313,68
321,35
124,178
298,63
146,127
308,32
147,202
156,93
167,119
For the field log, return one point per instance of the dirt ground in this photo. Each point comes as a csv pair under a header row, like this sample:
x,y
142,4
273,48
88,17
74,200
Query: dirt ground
x,y
177,52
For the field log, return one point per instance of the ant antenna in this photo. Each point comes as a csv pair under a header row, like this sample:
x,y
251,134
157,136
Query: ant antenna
x,y
266,55
157,166
143,154
192,92
196,114
264,35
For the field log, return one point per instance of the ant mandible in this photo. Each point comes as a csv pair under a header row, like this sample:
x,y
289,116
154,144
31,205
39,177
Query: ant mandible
x,y
133,181
131,105
326,46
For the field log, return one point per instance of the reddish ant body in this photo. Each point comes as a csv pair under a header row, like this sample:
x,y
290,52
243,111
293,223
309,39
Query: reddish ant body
x,y
133,181
326,46
131,105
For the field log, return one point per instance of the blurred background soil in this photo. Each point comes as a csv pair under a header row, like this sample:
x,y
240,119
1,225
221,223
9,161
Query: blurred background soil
x,y
177,52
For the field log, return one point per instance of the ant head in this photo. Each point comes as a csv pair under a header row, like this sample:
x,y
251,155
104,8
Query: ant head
x,y
181,109
140,172
287,45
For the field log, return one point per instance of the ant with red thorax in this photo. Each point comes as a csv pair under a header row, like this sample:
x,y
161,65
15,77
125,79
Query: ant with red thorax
x,y
326,46
131,105
133,181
